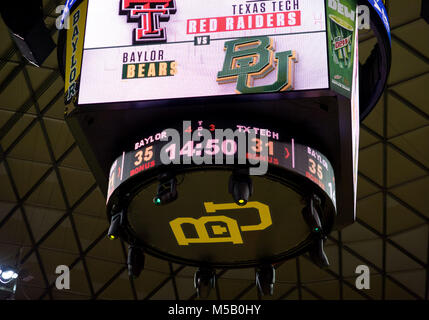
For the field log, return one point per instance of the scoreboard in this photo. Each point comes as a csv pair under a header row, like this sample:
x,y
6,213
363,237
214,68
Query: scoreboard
x,y
223,133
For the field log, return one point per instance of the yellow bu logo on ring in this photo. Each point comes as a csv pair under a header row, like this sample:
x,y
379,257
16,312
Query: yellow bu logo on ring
x,y
220,225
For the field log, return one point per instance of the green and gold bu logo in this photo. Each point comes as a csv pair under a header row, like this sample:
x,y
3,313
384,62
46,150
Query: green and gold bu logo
x,y
222,228
248,59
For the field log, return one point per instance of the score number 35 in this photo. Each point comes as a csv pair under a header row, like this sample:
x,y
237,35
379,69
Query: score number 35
x,y
146,156
315,169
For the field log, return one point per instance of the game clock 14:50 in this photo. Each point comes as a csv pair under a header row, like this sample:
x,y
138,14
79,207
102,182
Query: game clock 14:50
x,y
217,147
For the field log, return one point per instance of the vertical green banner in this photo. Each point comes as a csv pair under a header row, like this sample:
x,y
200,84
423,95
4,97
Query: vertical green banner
x,y
341,21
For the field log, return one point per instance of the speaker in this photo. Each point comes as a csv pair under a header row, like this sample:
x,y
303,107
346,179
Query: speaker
x,y
425,10
25,22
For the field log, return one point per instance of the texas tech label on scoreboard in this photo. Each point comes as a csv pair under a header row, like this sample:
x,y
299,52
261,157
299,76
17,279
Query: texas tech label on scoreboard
x,y
163,49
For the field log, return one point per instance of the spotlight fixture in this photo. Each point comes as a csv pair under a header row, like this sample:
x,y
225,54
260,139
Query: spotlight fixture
x,y
167,189
115,225
317,254
7,274
8,280
241,187
265,279
311,215
135,261
204,281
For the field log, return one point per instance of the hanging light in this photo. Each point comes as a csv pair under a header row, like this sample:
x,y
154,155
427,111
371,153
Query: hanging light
x,y
8,281
7,275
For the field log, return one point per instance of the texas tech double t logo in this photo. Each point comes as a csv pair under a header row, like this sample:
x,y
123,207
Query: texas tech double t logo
x,y
148,14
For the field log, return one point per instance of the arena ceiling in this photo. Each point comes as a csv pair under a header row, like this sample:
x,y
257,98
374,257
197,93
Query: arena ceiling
x,y
52,212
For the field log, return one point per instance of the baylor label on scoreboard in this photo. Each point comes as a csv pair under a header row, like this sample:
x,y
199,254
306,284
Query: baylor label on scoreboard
x,y
161,49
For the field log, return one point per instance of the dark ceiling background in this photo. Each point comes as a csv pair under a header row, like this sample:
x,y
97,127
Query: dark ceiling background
x,y
52,212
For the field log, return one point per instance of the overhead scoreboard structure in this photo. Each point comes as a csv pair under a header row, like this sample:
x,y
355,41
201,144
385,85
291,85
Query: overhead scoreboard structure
x,y
224,133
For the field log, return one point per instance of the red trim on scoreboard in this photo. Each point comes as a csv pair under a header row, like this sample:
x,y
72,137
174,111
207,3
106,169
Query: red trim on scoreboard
x,y
244,22
143,167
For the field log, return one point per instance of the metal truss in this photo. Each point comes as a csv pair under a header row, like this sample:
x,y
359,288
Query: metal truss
x,y
298,287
